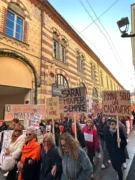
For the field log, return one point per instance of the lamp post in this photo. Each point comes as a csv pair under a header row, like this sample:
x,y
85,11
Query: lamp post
x,y
123,25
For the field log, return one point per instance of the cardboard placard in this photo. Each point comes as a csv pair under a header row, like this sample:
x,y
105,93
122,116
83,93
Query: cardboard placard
x,y
96,108
74,99
23,112
116,103
53,110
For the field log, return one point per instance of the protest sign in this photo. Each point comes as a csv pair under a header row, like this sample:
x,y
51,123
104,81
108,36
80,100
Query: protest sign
x,y
6,139
74,99
116,103
53,110
36,120
23,112
89,102
96,108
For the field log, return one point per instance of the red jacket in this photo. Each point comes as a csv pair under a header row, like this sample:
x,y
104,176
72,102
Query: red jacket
x,y
93,132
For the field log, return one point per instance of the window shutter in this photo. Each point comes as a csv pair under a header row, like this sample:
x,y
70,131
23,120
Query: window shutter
x,y
25,34
3,20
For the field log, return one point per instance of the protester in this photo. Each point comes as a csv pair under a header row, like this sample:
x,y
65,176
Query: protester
x,y
17,123
75,162
101,133
91,139
67,124
57,132
51,167
29,165
79,133
14,150
116,154
4,126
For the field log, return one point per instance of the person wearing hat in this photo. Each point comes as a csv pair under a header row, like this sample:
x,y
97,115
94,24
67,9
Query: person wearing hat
x,y
116,154
91,139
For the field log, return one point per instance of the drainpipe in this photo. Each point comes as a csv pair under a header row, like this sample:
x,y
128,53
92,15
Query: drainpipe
x,y
45,1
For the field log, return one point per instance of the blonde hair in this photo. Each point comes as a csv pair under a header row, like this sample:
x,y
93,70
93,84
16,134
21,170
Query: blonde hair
x,y
19,128
71,144
50,137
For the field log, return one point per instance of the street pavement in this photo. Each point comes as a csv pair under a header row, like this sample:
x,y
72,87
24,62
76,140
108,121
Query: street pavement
x,y
109,173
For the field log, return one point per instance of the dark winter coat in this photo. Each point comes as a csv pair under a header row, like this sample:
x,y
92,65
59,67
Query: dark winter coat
x,y
116,154
101,130
31,171
48,160
80,137
4,127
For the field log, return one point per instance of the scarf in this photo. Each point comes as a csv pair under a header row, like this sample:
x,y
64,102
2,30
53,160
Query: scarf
x,y
112,130
47,148
30,150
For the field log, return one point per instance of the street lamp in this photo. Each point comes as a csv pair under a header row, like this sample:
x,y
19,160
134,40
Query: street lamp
x,y
123,25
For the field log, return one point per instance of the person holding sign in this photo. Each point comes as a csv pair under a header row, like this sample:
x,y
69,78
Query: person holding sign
x,y
75,162
91,139
116,154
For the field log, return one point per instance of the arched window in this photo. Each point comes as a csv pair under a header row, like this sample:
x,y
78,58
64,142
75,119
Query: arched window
x,y
107,83
59,46
111,85
95,94
55,45
101,78
80,62
15,21
60,83
83,85
92,71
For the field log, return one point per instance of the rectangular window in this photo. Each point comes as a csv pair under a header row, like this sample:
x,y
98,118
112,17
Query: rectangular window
x,y
14,26
62,53
55,49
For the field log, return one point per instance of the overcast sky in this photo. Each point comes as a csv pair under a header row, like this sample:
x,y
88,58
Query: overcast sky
x,y
102,37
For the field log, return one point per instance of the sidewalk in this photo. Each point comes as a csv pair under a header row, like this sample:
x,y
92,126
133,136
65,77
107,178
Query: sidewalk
x,y
109,173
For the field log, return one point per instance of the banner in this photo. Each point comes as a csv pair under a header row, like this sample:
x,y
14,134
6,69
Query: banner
x,y
116,103
6,139
23,112
74,99
53,109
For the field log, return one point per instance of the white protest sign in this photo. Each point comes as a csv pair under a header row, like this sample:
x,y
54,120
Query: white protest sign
x,y
6,139
74,99
53,110
35,121
116,103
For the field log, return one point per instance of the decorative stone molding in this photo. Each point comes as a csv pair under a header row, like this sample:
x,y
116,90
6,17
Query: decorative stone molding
x,y
14,41
21,5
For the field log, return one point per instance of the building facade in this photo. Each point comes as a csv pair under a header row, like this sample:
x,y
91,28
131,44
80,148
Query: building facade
x,y
35,43
132,32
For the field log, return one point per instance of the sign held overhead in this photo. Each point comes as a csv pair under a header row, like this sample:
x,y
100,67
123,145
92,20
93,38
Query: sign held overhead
x,y
74,99
116,103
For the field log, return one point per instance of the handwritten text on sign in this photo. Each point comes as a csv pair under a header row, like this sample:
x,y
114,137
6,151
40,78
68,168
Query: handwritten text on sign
x,y
23,112
53,110
116,103
74,99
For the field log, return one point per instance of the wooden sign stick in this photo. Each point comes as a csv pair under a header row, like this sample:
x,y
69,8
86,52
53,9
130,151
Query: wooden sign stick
x,y
53,130
75,127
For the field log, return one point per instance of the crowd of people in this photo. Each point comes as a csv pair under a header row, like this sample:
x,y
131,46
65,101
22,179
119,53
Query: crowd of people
x,y
69,155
